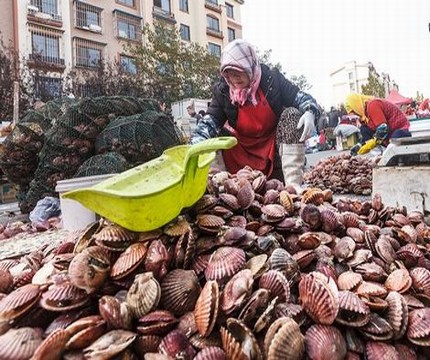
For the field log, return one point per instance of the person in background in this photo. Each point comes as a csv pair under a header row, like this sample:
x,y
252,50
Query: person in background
x,y
202,113
192,112
379,119
333,117
270,116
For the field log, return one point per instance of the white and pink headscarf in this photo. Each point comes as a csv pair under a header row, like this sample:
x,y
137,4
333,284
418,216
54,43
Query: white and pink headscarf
x,y
241,56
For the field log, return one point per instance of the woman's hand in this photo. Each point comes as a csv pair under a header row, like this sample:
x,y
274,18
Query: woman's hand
x,y
307,121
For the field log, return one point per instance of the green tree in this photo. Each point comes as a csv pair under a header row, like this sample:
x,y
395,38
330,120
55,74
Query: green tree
x,y
170,69
373,87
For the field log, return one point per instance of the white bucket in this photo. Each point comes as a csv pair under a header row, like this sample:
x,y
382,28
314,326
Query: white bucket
x,y
76,216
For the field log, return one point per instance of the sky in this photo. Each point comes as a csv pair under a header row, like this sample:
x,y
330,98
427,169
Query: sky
x,y
315,37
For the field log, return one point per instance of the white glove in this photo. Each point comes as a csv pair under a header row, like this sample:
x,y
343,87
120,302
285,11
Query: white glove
x,y
308,121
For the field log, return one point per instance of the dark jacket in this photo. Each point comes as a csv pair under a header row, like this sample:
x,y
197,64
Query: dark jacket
x,y
280,93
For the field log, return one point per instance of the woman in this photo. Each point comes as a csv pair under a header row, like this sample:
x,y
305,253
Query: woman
x,y
376,115
264,111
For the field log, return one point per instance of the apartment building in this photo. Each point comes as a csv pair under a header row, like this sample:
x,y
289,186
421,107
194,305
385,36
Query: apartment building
x,y
62,35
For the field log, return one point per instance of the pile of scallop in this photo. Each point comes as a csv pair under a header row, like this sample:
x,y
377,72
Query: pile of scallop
x,y
252,271
342,174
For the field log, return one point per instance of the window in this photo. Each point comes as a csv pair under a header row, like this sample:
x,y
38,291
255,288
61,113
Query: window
x,y
88,16
47,88
126,2
231,34
351,76
162,4
185,32
45,45
46,6
128,26
352,86
229,10
212,23
88,53
183,5
215,2
214,49
128,64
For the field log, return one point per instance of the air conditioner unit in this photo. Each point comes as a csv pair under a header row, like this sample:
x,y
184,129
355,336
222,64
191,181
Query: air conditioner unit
x,y
95,28
32,8
42,15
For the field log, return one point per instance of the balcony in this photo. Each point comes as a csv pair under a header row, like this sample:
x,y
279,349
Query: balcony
x,y
213,32
164,15
213,6
34,15
46,62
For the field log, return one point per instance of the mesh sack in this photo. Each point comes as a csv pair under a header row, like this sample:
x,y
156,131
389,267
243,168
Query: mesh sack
x,y
19,156
139,138
109,163
37,190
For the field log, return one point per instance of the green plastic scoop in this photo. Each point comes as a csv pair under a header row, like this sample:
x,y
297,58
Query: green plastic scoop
x,y
150,195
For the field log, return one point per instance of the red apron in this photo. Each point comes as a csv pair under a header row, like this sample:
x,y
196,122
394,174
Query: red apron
x,y
255,132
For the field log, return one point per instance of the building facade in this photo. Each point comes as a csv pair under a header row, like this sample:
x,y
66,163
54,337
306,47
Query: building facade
x,y
352,76
62,35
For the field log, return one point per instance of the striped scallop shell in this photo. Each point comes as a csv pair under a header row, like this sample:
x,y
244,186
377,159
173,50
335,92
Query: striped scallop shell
x,y
177,227
117,314
329,220
6,281
324,342
259,183
418,331
224,263
211,353
19,301
355,233
350,219
206,309
175,343
399,280
277,284
85,331
282,261
145,344
157,322
313,196
230,201
128,261
144,294
353,311
52,346
117,340
286,201
369,288
245,195
311,215
405,352
409,254
210,223
273,213
236,290
397,313
284,340
257,264
319,297
180,290
309,240
20,343
231,186
377,328
292,311
271,197
63,297
239,342
206,202
421,280
114,238
377,350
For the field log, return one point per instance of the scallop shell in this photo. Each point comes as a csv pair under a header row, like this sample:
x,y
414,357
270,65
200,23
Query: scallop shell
x,y
114,238
344,249
245,195
313,196
239,342
20,343
257,264
409,255
175,343
368,288
284,340
209,223
311,215
282,261
145,344
128,261
6,281
206,309
381,351
397,314
237,221
329,220
158,322
211,353
421,280
353,311
116,313
271,197
177,227
319,297
236,290
109,344
53,345
179,291
309,240
63,297
377,328
19,301
157,259
286,201
350,219
290,310
144,294
85,331
230,201
356,234
225,262
399,280
272,213
418,331
277,284
324,342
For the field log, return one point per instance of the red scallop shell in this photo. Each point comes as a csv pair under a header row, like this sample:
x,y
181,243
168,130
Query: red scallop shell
x,y
277,284
206,309
224,263
63,297
19,302
128,261
20,343
324,342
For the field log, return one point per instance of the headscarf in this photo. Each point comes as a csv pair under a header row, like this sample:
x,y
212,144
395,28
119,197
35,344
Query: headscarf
x,y
240,55
357,103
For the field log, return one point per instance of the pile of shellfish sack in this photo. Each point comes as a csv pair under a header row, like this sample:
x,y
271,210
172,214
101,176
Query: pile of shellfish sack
x,y
342,174
252,271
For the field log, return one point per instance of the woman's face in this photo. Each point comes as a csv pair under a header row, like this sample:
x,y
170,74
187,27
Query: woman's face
x,y
239,79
